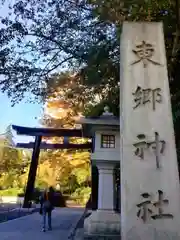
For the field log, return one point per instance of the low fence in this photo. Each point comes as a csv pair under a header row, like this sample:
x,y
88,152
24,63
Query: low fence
x,y
10,214
11,208
69,201
11,199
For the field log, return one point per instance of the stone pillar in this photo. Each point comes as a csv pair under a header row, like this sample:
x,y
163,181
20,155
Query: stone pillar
x,y
150,190
104,222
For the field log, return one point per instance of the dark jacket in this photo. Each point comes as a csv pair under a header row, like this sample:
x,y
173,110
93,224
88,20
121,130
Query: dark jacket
x,y
50,198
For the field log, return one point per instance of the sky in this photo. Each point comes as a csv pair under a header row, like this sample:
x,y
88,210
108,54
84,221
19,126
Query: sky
x,y
23,114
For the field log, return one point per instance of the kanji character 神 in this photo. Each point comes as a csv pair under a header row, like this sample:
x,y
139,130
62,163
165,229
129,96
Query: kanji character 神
x,y
157,145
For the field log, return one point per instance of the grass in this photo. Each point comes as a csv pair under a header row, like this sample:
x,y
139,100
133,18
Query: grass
x,y
11,192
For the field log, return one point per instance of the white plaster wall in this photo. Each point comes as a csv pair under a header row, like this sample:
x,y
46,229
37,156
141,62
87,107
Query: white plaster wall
x,y
109,154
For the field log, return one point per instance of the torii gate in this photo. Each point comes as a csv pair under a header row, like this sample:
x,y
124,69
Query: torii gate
x,y
38,133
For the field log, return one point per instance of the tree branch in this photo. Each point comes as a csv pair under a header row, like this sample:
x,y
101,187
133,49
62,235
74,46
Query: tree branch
x,y
45,37
54,41
77,4
55,55
59,64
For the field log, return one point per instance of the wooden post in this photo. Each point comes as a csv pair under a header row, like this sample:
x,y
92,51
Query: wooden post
x,y
32,173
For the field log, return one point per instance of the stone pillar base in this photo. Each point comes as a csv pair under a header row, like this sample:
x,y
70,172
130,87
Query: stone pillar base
x,y
102,224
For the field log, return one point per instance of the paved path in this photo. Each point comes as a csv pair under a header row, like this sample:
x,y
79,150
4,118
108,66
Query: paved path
x,y
29,227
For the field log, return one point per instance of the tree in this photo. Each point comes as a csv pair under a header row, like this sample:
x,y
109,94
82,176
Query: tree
x,y
45,37
63,167
13,161
58,166
67,90
11,166
35,45
42,42
10,157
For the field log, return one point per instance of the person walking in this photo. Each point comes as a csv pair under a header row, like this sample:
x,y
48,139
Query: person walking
x,y
47,205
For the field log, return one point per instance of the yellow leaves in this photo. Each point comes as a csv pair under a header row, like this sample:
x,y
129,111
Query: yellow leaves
x,y
79,162
59,164
58,109
77,140
76,163
47,173
53,140
57,103
23,178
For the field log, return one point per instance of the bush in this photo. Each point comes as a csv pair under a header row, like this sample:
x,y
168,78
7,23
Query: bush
x,y
81,195
11,192
41,184
20,193
59,199
35,196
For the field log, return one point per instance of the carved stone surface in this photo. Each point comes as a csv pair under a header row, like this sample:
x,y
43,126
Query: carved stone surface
x,y
150,190
102,237
144,52
151,233
105,224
